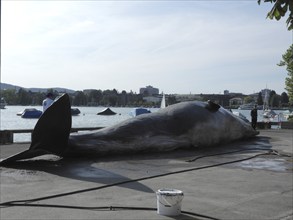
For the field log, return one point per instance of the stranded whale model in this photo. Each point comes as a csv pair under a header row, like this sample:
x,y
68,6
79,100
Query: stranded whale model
x,y
182,125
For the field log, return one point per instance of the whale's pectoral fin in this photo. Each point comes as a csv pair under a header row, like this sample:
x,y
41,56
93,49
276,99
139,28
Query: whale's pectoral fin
x,y
22,156
51,133
211,106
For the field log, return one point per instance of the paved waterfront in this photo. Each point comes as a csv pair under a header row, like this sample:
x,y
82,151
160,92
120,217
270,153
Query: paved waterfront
x,y
256,188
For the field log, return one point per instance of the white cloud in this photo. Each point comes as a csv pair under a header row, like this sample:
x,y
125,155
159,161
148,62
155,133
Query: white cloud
x,y
179,47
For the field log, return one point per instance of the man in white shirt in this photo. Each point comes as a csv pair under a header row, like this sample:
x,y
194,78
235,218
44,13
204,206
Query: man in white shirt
x,y
48,101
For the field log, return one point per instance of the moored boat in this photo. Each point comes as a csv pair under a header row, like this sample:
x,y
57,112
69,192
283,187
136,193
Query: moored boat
x,y
75,111
106,111
30,113
138,111
287,114
269,114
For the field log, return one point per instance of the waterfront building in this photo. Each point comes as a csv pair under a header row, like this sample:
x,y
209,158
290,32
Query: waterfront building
x,y
149,90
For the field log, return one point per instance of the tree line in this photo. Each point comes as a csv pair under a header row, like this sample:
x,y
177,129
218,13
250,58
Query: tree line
x,y
80,98
113,98
273,100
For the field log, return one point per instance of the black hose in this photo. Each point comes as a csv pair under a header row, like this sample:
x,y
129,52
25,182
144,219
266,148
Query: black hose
x,y
232,152
10,203
112,208
109,208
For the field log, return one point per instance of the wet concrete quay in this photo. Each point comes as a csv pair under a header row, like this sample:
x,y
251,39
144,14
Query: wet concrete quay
x,y
250,179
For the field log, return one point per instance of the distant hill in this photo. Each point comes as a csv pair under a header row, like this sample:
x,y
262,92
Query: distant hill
x,y
4,86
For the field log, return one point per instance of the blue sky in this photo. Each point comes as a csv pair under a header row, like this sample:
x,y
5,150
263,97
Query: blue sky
x,y
177,46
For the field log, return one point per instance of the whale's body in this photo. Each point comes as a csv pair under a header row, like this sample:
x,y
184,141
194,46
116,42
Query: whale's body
x,y
182,125
187,124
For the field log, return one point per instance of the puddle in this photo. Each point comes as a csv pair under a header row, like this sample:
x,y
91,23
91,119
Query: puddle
x,y
266,164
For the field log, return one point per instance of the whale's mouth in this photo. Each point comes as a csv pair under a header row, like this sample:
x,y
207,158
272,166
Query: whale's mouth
x,y
51,133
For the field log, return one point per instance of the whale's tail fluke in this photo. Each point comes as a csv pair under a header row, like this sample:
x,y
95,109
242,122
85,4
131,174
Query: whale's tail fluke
x,y
51,133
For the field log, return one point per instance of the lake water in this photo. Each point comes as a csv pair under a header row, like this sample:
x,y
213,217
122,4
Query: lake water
x,y
87,118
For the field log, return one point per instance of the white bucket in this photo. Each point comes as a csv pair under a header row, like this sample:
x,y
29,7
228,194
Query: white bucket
x,y
169,202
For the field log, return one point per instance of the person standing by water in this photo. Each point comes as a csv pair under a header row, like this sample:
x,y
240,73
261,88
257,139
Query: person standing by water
x,y
47,101
253,114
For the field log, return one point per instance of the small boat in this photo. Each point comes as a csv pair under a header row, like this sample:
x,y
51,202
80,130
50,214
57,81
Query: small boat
x,y
75,111
30,113
138,111
287,114
106,111
2,103
269,114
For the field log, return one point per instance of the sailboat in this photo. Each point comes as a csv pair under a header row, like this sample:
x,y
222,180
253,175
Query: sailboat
x,y
163,102
267,114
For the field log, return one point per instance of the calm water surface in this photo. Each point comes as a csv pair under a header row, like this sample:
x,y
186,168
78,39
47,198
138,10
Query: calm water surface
x,y
87,118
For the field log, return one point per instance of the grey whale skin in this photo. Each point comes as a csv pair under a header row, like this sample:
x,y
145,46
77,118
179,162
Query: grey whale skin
x,y
182,125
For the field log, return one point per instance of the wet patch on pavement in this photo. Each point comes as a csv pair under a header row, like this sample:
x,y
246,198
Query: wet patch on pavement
x,y
270,164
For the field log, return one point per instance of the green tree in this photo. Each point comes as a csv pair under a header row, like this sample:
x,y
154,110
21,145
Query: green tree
x,y
280,9
259,99
110,97
95,96
37,98
287,61
10,96
284,98
123,98
275,99
79,99
171,100
24,97
248,99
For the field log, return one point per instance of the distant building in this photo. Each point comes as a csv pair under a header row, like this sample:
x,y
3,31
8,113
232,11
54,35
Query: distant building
x,y
149,90
235,101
